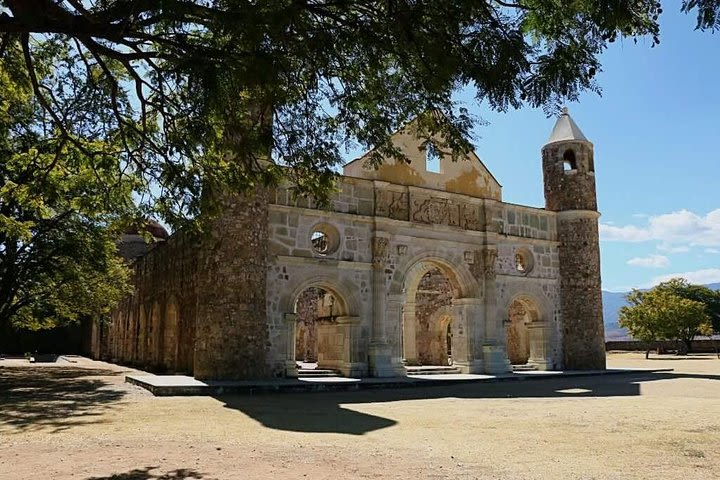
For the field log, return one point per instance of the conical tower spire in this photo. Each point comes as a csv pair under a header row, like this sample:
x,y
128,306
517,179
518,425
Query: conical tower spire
x,y
566,130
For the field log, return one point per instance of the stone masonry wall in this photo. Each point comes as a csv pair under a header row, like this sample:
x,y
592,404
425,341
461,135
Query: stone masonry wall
x,y
231,339
583,329
161,310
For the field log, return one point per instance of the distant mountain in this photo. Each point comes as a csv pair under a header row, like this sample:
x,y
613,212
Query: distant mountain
x,y
612,302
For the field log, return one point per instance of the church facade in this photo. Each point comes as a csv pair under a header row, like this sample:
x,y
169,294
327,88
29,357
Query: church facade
x,y
413,264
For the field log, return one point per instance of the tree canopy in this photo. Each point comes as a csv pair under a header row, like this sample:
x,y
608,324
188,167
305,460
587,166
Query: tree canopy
x,y
200,90
58,211
116,109
666,313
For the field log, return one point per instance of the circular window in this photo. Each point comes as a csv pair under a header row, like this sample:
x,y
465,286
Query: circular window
x,y
324,239
523,261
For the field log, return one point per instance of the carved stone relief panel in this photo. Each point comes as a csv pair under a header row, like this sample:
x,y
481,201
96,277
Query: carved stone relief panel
x,y
391,204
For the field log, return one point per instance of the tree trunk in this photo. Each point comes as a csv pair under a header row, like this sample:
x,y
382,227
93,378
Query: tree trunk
x,y
647,353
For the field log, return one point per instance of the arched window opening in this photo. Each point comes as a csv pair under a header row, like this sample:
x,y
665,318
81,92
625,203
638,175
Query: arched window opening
x,y
569,161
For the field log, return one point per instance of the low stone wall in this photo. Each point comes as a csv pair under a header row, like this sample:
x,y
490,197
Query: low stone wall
x,y
698,346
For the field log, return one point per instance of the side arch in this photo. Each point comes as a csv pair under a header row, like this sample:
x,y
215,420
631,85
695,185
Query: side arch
x,y
340,342
342,290
537,325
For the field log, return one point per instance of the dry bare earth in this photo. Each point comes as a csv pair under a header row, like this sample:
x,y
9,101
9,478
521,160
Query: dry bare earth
x,y
81,421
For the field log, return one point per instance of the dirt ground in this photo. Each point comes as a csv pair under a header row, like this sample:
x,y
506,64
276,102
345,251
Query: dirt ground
x,y
80,421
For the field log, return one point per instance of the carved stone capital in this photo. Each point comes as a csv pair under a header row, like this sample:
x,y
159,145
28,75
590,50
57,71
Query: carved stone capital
x,y
489,256
380,251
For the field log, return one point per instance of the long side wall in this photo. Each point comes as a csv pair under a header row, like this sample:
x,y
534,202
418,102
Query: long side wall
x,y
154,328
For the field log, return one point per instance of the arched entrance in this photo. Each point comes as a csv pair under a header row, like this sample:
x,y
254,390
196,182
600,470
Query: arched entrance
x,y
438,325
427,319
314,307
321,333
526,334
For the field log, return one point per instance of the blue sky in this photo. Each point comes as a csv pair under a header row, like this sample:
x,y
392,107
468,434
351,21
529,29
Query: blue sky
x,y
656,131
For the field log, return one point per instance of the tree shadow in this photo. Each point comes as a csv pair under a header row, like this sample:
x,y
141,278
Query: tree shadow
x,y
331,412
146,474
58,398
306,412
680,357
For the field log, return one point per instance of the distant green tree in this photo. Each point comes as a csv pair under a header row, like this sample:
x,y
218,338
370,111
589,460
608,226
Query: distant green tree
x,y
58,209
642,319
661,314
700,293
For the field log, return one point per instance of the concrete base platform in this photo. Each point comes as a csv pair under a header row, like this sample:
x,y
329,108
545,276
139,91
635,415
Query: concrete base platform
x,y
172,385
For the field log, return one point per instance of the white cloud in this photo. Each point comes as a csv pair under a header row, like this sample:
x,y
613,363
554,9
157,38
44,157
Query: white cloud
x,y
640,215
663,247
681,229
712,250
629,233
651,261
708,275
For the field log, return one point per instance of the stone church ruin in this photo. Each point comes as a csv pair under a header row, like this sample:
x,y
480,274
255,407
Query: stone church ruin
x,y
413,265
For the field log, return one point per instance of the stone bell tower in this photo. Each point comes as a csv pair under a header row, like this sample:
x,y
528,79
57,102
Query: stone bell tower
x,y
569,174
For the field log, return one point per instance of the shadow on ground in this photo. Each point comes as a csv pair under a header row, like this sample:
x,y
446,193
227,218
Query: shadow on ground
x,y
55,397
146,474
326,412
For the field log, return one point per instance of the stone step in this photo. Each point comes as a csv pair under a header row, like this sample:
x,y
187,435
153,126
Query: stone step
x,y
432,370
317,372
524,368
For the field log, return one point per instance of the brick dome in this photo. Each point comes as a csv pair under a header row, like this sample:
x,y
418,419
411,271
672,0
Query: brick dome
x,y
153,227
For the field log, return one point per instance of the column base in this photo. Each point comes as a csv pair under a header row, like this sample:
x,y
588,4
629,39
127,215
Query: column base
x,y
291,370
381,364
474,366
496,360
541,363
354,370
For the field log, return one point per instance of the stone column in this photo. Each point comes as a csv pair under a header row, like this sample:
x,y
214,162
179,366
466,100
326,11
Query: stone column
x,y
291,369
494,352
380,354
539,349
409,340
467,318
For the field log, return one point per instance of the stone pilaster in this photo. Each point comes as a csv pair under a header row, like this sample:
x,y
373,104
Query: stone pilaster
x,y
494,351
380,356
409,338
291,369
467,313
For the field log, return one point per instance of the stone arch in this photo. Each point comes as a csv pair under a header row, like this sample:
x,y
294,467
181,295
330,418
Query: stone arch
x,y
348,303
170,334
528,334
452,265
337,339
405,334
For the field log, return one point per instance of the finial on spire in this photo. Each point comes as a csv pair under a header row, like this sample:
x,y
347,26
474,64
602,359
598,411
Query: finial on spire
x,y
565,111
